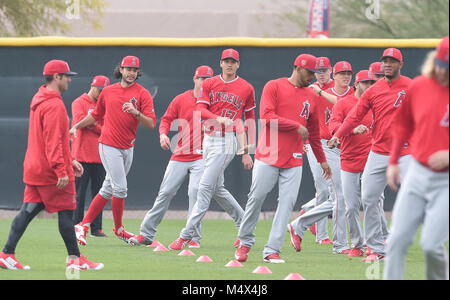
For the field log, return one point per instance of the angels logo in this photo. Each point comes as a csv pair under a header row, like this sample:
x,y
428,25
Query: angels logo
x,y
400,98
327,115
134,102
445,120
305,110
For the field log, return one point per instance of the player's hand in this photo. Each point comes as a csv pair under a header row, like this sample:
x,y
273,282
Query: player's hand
x,y
393,177
326,170
62,182
333,142
164,141
247,161
303,132
73,131
129,108
439,160
225,121
77,168
305,149
315,87
245,150
361,129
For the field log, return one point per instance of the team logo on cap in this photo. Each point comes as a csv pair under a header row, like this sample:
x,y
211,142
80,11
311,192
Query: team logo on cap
x,y
391,52
304,62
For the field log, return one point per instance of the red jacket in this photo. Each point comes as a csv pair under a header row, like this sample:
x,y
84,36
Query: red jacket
x,y
48,154
290,107
85,145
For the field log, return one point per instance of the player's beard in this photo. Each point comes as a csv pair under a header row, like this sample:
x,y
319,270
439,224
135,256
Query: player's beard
x,y
393,75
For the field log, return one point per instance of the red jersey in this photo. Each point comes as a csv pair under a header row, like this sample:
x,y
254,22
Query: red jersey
x,y
325,108
291,107
120,127
227,99
422,120
383,98
326,86
190,133
48,153
85,145
354,148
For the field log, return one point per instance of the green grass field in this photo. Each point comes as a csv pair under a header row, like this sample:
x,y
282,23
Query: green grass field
x,y
42,248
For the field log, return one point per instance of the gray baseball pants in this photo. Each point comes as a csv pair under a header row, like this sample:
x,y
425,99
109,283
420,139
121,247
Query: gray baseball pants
x,y
423,199
264,178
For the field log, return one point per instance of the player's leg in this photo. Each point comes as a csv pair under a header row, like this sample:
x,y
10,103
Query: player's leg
x,y
264,178
195,174
220,152
435,229
384,222
174,176
373,184
303,222
351,184
288,187
81,184
67,232
407,215
97,175
309,205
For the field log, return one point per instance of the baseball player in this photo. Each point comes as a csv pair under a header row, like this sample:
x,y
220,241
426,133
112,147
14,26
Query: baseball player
x,y
376,68
49,170
186,161
383,99
222,100
290,115
85,151
323,78
354,151
328,204
122,106
423,119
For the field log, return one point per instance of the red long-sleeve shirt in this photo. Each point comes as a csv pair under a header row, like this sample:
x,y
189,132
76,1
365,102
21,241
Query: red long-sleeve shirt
x,y
119,129
354,148
85,145
190,132
290,107
48,154
423,120
383,98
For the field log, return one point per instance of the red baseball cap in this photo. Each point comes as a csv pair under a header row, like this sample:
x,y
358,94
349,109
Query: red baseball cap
x,y
376,68
100,81
57,67
230,53
364,75
394,53
442,53
342,66
323,63
308,62
204,71
130,62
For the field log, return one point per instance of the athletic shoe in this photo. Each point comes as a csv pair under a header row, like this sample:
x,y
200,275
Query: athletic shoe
x,y
296,240
368,251
81,263
356,253
313,229
236,243
98,233
138,240
241,253
9,262
80,232
274,258
373,257
346,251
122,234
326,241
194,245
179,244
302,212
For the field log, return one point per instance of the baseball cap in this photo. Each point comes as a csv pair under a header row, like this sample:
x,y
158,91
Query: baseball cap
x,y
57,67
100,81
308,62
230,53
364,75
204,71
323,63
442,53
130,62
394,53
342,66
376,68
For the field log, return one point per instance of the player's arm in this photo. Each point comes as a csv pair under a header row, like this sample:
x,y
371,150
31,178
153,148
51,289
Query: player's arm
x,y
327,96
90,119
245,145
337,117
166,122
146,114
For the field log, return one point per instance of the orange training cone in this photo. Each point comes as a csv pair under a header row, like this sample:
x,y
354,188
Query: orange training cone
x,y
294,276
204,258
154,244
186,253
262,270
161,248
234,263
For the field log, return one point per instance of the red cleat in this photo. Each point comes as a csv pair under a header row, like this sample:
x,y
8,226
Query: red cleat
x,y
236,243
274,258
81,263
313,229
9,262
373,257
241,253
326,241
123,235
179,244
296,240
356,253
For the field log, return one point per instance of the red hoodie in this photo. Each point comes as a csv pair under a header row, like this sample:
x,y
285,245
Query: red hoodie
x,y
48,154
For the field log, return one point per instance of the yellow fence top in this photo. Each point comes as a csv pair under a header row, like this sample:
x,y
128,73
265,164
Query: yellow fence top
x,y
55,41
